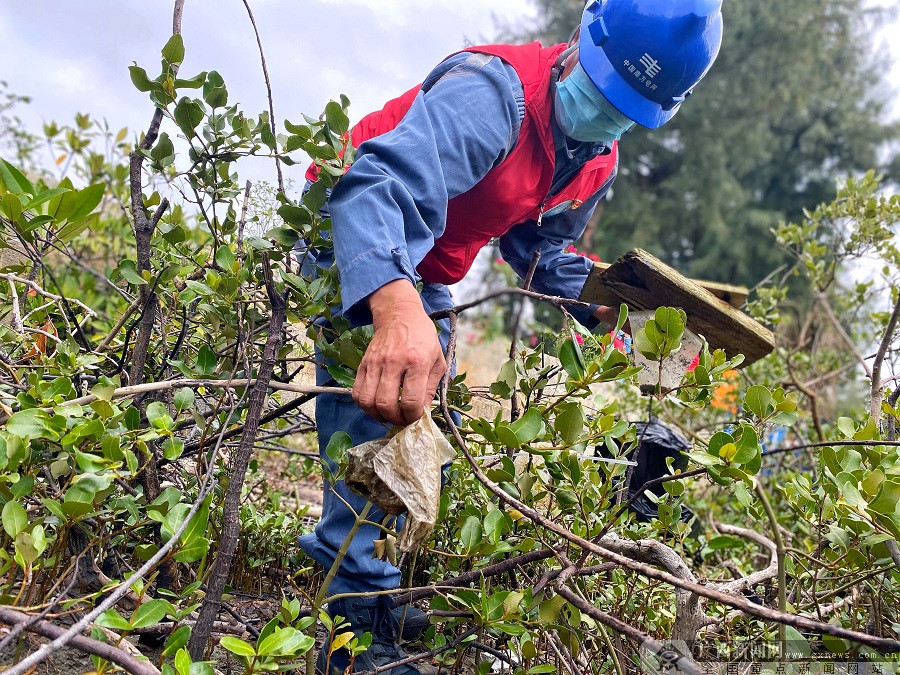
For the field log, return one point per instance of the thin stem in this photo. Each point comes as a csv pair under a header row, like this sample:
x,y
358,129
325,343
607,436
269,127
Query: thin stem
x,y
782,558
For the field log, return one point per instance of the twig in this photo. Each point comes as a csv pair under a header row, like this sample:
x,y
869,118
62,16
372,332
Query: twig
x,y
16,630
745,583
552,299
17,323
823,300
881,644
424,655
231,383
781,554
830,444
877,387
132,308
666,654
46,629
514,400
73,633
230,515
12,278
406,596
641,490
262,59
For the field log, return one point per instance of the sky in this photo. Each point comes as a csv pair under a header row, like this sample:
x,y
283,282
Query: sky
x,y
73,56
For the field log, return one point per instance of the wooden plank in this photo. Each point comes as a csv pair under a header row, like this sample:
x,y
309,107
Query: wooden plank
x,y
644,282
735,296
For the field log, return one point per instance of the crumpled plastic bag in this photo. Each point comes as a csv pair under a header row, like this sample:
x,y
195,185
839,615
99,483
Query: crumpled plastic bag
x,y
402,473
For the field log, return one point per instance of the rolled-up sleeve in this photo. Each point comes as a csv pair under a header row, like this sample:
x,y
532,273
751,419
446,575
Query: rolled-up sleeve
x,y
391,205
558,272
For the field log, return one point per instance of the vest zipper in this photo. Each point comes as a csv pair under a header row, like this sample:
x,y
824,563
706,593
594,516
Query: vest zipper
x,y
540,218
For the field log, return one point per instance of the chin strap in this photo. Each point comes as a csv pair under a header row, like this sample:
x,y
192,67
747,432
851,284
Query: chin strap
x,y
560,61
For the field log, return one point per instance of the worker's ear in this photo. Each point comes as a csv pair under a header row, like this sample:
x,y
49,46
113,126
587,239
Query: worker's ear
x,y
573,40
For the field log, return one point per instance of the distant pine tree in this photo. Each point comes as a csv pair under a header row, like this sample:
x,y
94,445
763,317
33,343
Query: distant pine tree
x,y
796,100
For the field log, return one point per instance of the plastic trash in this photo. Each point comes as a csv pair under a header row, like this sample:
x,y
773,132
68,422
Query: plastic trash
x,y
401,473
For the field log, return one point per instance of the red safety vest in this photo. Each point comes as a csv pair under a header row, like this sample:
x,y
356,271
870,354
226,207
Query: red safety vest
x,y
514,191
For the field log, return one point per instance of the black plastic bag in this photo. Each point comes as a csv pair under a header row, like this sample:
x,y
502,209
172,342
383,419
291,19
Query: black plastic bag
x,y
657,443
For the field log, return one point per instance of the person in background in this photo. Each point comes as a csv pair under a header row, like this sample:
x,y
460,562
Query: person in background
x,y
518,142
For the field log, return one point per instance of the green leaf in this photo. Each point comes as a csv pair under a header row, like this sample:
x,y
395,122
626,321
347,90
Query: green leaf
x,y
158,416
45,196
139,78
719,439
236,646
128,271
285,641
550,609
747,446
173,52
569,422
188,114
111,619
150,613
164,150
172,448
847,485
206,361
835,645
796,647
191,83
757,400
183,398
339,443
214,91
846,426
888,497
84,201
529,426
336,118
571,360
178,639
506,435
224,258
15,518
470,534
14,180
283,236
493,525
32,423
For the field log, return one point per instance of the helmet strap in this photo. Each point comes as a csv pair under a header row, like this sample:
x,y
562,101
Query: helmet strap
x,y
560,61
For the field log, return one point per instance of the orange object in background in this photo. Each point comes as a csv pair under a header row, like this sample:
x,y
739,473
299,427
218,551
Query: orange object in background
x,y
725,396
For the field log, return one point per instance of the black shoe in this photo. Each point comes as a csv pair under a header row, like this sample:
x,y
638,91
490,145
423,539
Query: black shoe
x,y
413,624
366,615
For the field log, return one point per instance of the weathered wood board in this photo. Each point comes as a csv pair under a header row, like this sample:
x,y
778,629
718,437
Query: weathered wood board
x,y
644,282
735,296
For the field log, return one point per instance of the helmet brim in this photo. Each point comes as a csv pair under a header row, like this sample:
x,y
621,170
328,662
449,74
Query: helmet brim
x,y
626,98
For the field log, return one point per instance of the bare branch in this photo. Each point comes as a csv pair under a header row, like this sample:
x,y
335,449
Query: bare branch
x,y
231,383
111,653
877,385
746,583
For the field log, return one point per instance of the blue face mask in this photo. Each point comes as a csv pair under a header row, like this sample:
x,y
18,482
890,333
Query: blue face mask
x,y
584,114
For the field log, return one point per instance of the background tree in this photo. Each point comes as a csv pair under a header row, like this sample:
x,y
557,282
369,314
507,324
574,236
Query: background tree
x,y
795,101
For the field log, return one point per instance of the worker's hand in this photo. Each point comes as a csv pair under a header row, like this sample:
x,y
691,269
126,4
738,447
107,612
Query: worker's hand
x,y
606,314
404,362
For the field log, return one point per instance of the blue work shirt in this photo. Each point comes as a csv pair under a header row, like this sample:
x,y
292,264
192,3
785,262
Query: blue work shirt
x,y
389,209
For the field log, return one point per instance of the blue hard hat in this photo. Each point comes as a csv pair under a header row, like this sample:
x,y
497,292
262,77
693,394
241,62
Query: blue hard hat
x,y
645,56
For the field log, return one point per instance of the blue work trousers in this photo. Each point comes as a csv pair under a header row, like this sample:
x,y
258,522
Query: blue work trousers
x,y
359,572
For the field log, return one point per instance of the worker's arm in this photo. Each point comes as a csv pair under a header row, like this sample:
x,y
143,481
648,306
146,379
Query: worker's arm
x,y
558,272
391,206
